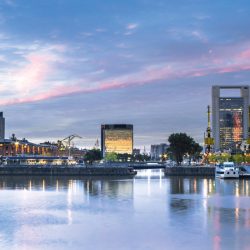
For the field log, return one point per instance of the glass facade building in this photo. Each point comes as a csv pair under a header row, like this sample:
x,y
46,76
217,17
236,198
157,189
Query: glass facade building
x,y
231,122
230,117
117,138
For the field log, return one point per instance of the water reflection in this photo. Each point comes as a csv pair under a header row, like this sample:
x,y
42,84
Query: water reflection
x,y
192,185
91,186
106,213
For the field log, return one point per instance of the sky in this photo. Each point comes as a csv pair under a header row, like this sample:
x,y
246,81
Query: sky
x,y
68,66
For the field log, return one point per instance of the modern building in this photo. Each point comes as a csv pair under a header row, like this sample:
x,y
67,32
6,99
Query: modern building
x,y
157,151
2,126
230,121
117,138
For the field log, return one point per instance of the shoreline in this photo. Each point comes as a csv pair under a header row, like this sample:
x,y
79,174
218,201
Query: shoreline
x,y
190,171
65,171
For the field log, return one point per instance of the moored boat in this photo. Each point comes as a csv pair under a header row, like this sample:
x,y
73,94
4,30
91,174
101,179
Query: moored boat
x,y
227,170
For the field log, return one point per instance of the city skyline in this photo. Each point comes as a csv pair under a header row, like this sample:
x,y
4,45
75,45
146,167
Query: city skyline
x,y
68,67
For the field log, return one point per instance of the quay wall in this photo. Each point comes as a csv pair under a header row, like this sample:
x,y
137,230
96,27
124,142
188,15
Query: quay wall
x,y
190,171
66,171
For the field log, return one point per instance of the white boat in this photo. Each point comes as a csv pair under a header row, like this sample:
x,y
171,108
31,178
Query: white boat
x,y
227,170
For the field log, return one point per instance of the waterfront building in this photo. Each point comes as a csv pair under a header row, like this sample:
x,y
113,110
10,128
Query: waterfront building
x,y
158,151
117,138
2,126
15,147
230,117
36,160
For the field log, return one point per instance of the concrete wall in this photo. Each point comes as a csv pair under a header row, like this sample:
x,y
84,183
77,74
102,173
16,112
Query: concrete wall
x,y
66,171
190,171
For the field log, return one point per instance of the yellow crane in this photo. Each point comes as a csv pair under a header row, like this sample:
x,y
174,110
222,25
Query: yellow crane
x,y
208,140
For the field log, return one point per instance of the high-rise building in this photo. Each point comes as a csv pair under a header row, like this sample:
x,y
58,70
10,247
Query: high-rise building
x,y
117,138
157,151
229,117
2,126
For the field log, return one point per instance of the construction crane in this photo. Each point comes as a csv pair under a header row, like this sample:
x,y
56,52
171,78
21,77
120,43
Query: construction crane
x,y
68,140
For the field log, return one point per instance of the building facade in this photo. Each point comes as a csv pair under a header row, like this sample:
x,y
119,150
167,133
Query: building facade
x,y
9,147
117,138
230,118
157,151
2,126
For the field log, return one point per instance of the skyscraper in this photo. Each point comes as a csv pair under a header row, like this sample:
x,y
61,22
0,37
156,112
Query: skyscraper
x,y
230,117
2,126
117,138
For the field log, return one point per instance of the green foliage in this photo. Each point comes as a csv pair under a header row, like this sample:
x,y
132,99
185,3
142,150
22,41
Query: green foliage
x,y
111,156
212,158
247,158
140,157
93,155
220,158
238,158
223,157
124,157
195,150
181,144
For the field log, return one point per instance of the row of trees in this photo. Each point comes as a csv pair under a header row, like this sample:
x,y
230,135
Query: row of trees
x,y
112,156
180,144
237,158
96,155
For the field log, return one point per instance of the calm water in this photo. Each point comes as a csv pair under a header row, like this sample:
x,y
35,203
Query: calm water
x,y
147,212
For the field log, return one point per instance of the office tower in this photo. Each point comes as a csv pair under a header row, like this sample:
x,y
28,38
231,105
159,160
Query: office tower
x,y
2,126
230,117
157,151
117,138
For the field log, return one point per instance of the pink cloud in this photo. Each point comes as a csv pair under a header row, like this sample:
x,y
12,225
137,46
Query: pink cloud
x,y
34,76
245,54
34,73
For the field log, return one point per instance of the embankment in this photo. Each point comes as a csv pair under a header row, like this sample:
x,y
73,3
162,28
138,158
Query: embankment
x,y
190,171
66,171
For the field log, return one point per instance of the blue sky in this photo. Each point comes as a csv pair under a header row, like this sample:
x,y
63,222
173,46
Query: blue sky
x,y
69,66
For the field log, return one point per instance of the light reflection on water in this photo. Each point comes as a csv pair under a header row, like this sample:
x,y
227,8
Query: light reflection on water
x,y
149,211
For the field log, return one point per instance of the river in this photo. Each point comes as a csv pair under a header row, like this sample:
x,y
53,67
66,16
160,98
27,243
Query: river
x,y
149,211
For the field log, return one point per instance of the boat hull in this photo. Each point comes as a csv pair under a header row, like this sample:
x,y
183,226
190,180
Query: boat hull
x,y
227,173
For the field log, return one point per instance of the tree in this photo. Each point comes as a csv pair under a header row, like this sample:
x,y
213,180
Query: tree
x,y
181,144
195,151
93,155
140,157
220,158
247,158
111,156
212,158
238,158
124,157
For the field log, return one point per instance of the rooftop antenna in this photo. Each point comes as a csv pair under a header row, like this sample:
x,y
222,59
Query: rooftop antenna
x,y
96,143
